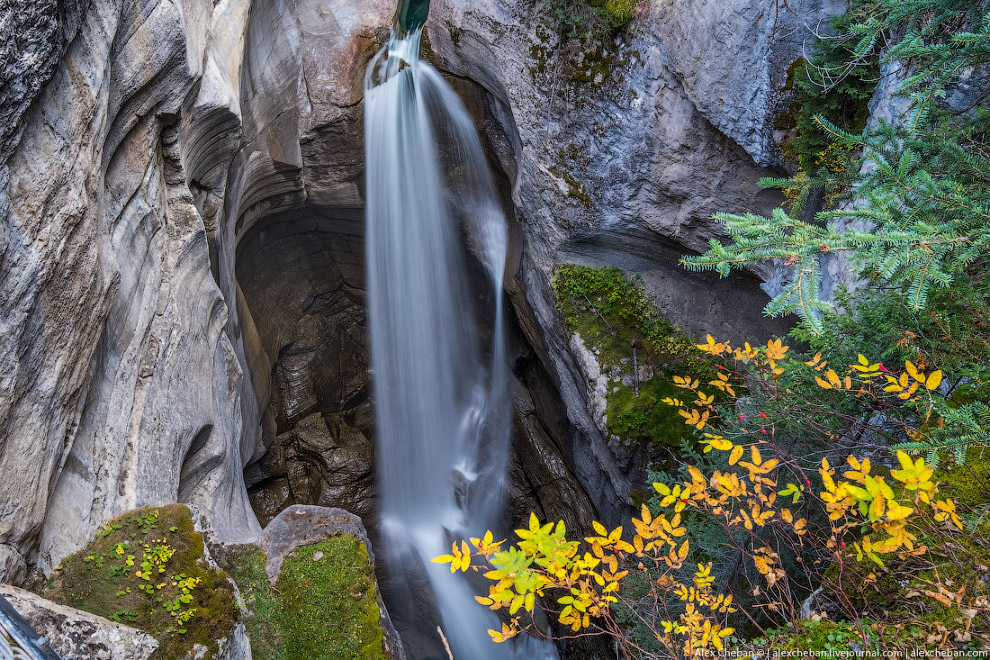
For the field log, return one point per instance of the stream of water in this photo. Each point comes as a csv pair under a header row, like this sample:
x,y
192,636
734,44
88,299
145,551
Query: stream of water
x,y
442,404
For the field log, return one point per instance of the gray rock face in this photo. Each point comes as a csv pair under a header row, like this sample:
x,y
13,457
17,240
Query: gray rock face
x,y
151,350
12,564
77,635
235,646
732,58
134,392
616,158
35,35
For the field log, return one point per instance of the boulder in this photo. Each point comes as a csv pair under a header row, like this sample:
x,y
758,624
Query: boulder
x,y
77,635
299,526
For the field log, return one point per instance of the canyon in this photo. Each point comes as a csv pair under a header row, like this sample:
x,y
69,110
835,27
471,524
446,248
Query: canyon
x,y
182,194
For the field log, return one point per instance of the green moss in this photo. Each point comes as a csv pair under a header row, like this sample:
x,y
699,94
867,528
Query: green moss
x,y
839,638
816,636
600,66
99,579
541,54
248,570
339,588
575,189
797,65
614,317
646,418
324,608
968,482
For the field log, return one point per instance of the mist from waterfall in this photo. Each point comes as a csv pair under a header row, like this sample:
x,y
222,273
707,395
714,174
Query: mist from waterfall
x,y
442,404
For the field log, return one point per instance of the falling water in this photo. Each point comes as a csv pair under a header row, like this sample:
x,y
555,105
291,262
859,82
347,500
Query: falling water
x,y
442,405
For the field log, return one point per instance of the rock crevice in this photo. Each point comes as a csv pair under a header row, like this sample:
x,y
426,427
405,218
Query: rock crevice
x,y
181,245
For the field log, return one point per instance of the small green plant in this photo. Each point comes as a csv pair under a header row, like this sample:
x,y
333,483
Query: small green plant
x,y
167,591
121,615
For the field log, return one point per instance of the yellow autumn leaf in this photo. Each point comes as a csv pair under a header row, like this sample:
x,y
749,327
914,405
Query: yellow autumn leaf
x,y
913,371
704,399
914,474
897,512
775,349
720,443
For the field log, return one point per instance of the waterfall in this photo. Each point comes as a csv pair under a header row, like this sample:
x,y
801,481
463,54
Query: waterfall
x,y
442,404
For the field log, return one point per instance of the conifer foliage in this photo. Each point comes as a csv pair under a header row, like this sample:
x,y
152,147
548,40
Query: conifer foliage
x,y
920,184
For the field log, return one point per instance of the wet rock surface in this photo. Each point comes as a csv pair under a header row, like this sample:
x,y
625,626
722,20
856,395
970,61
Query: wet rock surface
x,y
302,277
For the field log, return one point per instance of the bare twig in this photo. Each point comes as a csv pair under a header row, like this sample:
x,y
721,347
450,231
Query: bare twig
x,y
446,646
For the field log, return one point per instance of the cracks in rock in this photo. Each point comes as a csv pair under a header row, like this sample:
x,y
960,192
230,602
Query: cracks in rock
x,y
196,466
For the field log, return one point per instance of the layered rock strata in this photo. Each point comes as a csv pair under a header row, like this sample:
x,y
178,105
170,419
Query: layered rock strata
x,y
158,157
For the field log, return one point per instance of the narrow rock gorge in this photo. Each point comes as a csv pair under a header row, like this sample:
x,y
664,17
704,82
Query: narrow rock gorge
x,y
182,262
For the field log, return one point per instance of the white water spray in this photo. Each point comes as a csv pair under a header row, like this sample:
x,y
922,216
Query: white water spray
x,y
442,405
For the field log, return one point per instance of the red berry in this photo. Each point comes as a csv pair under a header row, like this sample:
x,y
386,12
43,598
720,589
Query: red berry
x,y
763,415
843,544
742,417
807,481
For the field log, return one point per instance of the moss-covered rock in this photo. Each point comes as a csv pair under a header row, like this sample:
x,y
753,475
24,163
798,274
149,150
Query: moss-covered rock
x,y
329,602
149,569
311,590
323,606
629,339
645,418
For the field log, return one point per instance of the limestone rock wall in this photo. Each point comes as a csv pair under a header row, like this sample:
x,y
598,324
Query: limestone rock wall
x,y
141,141
125,381
619,156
